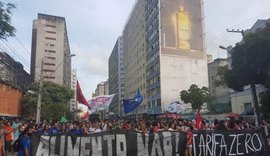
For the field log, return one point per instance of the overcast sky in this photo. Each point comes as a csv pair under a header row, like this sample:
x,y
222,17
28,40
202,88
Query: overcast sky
x,y
94,25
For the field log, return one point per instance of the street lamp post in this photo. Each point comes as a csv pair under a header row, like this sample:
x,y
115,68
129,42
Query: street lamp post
x,y
40,89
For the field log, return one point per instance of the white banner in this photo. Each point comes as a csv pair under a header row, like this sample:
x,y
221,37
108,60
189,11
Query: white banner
x,y
100,103
176,107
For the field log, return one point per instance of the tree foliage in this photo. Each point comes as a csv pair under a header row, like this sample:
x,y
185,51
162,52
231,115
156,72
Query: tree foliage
x,y
54,102
195,95
250,63
221,73
6,29
250,60
265,101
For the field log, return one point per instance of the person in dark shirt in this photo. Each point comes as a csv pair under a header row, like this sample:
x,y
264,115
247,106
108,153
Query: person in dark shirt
x,y
77,129
54,129
24,142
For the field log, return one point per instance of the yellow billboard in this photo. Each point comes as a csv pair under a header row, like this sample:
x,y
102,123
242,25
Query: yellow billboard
x,y
181,25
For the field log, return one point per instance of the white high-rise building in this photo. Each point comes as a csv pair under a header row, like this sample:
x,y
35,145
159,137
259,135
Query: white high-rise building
x,y
116,77
164,52
50,45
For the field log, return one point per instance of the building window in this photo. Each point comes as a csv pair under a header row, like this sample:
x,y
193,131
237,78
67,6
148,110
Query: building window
x,y
49,70
158,102
247,106
50,38
154,103
51,26
149,104
52,58
50,51
49,64
49,77
50,32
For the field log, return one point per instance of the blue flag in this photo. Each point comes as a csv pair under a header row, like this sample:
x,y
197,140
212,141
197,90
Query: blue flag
x,y
131,104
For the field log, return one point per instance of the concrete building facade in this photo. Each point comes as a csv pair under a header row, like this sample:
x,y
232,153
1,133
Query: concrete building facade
x,y
100,90
134,47
116,77
106,92
213,67
220,95
50,45
164,51
73,102
183,60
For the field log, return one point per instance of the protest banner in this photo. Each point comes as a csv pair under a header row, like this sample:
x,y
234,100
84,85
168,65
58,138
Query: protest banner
x,y
101,102
230,143
111,143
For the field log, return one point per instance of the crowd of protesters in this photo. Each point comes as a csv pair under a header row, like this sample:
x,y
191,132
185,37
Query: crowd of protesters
x,y
12,131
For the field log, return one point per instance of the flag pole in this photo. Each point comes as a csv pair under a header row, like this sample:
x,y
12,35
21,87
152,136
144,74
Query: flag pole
x,y
136,109
136,114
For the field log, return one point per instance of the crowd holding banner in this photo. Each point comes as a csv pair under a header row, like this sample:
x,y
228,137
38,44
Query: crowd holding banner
x,y
115,142
137,137
222,143
159,136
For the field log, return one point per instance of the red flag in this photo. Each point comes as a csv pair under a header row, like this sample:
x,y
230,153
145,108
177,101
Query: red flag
x,y
80,97
198,120
86,115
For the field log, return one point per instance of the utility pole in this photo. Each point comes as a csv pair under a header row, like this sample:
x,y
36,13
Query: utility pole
x,y
236,31
252,87
39,94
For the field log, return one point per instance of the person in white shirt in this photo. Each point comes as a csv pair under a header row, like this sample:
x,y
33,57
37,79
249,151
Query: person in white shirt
x,y
105,126
96,128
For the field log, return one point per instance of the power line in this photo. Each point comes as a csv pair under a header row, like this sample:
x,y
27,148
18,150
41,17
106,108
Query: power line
x,y
22,45
10,69
251,19
6,65
224,35
17,54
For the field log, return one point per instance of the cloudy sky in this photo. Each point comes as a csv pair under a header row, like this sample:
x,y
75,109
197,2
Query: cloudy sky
x,y
94,25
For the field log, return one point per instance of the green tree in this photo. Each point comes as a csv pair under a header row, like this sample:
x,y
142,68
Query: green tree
x,y
221,74
6,29
195,95
54,102
29,105
250,62
265,101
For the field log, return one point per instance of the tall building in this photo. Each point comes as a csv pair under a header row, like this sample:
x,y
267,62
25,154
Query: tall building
x,y
134,46
50,45
164,51
116,77
100,90
106,92
220,94
73,102
213,67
